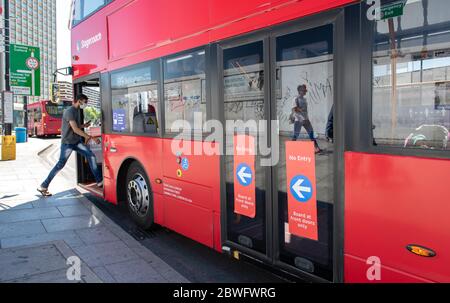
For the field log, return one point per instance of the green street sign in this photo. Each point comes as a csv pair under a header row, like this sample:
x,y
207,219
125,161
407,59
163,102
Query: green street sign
x,y
25,70
392,10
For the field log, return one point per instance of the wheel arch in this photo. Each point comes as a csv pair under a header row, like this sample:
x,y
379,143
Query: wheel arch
x,y
122,176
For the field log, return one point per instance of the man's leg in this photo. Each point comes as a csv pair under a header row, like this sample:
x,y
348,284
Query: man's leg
x,y
86,152
297,128
66,151
309,129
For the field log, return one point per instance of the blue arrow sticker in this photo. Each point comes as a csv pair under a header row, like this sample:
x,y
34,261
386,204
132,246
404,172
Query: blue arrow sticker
x,y
185,164
301,188
244,174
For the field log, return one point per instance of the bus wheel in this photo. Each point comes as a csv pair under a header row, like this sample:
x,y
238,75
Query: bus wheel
x,y
139,196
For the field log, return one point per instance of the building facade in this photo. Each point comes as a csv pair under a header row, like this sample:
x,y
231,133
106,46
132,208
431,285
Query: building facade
x,y
33,23
65,90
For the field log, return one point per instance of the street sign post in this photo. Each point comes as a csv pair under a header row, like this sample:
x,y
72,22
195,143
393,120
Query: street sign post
x,y
25,70
7,107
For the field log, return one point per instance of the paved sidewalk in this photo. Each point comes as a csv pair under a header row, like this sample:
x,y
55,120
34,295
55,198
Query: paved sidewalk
x,y
38,234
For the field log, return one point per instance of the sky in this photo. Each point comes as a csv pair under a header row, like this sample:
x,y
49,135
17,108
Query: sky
x,y
63,36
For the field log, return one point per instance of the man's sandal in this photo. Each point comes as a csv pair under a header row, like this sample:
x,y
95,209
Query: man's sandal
x,y
44,192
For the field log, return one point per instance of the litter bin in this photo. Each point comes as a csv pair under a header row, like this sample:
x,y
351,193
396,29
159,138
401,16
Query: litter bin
x,y
8,148
21,134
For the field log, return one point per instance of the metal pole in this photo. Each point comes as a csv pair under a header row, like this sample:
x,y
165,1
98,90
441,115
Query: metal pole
x,y
8,126
2,54
25,116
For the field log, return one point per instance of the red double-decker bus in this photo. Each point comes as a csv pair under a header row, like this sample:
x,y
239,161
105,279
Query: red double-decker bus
x,y
44,118
359,197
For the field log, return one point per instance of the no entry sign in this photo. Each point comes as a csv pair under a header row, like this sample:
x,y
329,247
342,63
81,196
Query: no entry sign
x,y
301,189
244,176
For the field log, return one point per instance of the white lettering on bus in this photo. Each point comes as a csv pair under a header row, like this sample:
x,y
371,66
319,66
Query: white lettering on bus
x,y
91,41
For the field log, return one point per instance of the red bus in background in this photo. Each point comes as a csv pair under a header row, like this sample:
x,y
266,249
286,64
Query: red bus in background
x,y
44,118
371,206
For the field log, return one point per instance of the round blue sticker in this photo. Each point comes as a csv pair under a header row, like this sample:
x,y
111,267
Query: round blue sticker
x,y
244,174
185,164
301,188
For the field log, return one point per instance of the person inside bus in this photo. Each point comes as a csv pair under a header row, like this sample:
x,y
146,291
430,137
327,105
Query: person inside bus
x,y
145,122
300,117
74,139
151,121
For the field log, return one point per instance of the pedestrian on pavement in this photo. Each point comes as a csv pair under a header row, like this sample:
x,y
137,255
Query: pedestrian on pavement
x,y
74,139
300,117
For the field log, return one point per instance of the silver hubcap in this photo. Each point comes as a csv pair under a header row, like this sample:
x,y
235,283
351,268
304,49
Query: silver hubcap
x,y
138,195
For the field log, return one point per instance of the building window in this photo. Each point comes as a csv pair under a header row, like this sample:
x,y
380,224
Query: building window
x,y
135,100
411,77
185,90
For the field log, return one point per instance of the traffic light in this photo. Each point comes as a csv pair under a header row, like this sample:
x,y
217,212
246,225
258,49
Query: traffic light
x,y
55,94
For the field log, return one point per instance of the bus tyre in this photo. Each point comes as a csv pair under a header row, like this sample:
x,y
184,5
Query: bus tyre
x,y
139,196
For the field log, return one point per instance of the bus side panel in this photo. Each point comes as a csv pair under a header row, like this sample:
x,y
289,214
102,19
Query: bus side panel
x,y
192,190
392,202
159,27
158,209
146,150
357,271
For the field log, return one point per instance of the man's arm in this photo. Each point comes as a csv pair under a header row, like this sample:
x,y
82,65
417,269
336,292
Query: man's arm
x,y
77,130
81,133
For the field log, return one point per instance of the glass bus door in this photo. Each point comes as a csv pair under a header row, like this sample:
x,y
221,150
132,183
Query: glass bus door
x,y
247,183
303,207
281,211
92,114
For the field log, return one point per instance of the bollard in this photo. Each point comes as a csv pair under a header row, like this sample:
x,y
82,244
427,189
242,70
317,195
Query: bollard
x,y
8,148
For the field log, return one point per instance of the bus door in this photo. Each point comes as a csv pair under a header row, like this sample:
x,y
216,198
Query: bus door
x,y
93,114
278,92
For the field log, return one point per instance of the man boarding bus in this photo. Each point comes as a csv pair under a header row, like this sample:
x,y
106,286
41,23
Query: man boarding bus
x,y
72,140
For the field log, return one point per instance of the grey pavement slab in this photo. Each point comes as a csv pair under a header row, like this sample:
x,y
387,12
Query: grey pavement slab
x,y
170,274
41,264
55,202
70,237
134,271
57,276
14,204
103,274
11,216
96,235
73,210
21,262
70,223
21,228
105,253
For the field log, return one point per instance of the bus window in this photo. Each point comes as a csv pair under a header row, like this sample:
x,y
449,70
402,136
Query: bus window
x,y
411,77
135,101
185,89
38,115
56,110
83,9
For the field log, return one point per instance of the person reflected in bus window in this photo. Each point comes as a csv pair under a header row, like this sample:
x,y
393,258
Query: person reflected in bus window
x,y
301,117
74,139
437,97
329,133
